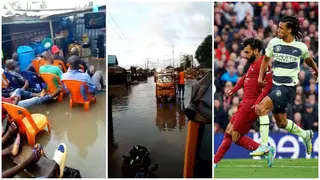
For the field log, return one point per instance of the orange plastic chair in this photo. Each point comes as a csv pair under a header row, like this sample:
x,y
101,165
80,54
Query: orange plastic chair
x,y
37,63
49,79
73,87
81,67
60,63
29,124
5,82
191,149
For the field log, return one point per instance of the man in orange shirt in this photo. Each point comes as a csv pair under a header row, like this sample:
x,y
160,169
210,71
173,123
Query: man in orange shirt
x,y
181,84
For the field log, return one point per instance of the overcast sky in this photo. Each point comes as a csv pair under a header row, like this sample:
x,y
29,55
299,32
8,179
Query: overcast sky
x,y
150,30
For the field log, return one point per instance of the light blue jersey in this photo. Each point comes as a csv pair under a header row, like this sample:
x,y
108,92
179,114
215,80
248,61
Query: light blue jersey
x,y
287,58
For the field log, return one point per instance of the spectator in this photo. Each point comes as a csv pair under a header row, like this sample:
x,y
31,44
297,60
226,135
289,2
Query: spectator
x,y
234,107
56,54
220,116
235,21
297,119
13,69
49,68
298,104
313,102
74,74
310,118
15,57
230,75
241,8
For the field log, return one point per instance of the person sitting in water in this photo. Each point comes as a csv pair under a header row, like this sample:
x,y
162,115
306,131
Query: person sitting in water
x,y
74,73
56,169
75,52
26,99
49,68
34,157
97,77
14,148
56,54
13,69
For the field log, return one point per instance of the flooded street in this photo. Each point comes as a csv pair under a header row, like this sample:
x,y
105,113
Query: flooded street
x,y
140,120
84,134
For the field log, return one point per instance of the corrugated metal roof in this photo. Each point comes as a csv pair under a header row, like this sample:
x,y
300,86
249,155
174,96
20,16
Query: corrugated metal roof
x,y
112,60
26,17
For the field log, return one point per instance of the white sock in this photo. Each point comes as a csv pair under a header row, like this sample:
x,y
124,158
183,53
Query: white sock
x,y
264,129
295,129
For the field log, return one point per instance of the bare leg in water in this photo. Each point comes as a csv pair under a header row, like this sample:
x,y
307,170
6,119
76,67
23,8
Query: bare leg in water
x,y
17,97
12,130
44,97
13,149
34,157
57,93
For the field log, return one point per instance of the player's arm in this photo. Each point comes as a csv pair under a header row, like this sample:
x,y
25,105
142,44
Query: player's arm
x,y
267,87
310,62
239,85
265,62
263,68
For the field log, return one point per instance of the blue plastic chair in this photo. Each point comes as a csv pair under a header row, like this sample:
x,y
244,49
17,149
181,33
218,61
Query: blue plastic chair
x,y
35,81
13,80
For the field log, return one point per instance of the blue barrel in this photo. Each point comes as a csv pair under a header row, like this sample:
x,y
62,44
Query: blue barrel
x,y
26,55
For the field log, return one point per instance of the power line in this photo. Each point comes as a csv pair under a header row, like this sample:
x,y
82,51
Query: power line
x,y
116,31
117,26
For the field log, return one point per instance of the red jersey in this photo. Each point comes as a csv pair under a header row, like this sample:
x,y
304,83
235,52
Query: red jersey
x,y
252,93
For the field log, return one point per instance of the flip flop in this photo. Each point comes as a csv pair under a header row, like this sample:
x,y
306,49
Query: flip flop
x,y
60,157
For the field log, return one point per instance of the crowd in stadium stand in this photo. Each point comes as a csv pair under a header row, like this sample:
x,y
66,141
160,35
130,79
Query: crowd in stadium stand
x,y
233,22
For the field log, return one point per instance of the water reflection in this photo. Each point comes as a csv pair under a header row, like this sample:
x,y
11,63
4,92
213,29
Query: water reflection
x,y
83,132
169,114
139,119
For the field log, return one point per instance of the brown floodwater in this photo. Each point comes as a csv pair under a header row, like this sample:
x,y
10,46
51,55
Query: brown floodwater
x,y
84,134
138,119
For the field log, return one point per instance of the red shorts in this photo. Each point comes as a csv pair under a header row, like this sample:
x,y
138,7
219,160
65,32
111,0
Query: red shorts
x,y
243,118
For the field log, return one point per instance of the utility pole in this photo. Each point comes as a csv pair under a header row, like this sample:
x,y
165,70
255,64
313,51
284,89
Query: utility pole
x,y
180,60
148,63
173,55
158,63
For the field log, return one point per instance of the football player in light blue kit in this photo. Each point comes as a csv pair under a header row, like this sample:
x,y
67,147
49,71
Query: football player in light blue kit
x,y
287,53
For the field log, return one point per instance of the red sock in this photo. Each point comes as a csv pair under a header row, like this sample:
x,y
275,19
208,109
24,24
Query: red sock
x,y
247,143
224,147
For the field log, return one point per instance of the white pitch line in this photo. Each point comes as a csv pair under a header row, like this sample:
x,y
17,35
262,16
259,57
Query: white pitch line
x,y
275,166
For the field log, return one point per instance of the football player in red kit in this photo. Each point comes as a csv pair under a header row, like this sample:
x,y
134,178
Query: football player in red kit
x,y
241,121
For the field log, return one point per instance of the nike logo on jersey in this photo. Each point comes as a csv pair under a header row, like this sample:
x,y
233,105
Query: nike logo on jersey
x,y
293,51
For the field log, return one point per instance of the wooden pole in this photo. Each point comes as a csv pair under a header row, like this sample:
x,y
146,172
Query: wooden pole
x,y
51,31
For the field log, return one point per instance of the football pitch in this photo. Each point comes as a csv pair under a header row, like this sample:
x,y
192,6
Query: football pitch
x,y
282,168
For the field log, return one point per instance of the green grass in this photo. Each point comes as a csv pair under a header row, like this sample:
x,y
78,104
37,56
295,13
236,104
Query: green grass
x,y
282,168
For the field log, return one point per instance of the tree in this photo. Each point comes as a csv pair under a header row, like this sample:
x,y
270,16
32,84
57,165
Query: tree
x,y
204,52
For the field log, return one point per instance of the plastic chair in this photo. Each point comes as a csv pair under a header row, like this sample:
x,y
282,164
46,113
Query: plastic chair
x,y
74,87
13,80
51,86
35,81
60,63
37,63
29,124
5,82
81,67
